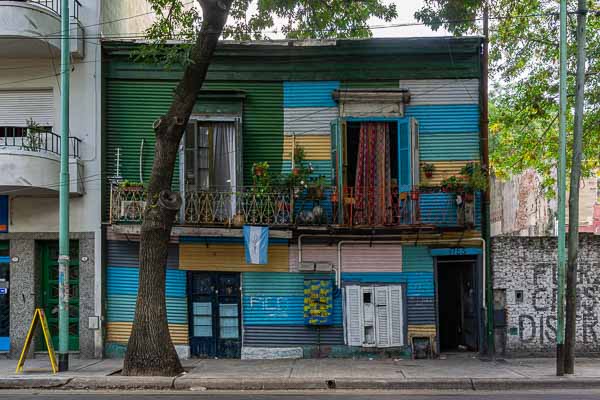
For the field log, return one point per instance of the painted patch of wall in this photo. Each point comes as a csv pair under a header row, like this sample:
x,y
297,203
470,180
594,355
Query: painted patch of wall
x,y
525,278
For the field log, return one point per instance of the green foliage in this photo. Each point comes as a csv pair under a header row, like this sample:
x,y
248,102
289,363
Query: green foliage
x,y
451,184
256,19
33,141
428,168
126,184
524,70
475,178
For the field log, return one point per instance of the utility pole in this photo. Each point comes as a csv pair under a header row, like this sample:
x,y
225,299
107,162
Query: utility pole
x,y
571,310
63,239
489,295
562,188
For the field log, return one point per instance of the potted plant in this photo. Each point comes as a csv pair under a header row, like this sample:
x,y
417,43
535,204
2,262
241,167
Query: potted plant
x,y
260,168
131,186
428,170
316,188
451,184
476,180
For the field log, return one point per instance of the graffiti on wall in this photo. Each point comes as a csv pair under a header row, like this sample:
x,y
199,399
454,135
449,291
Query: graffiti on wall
x,y
537,315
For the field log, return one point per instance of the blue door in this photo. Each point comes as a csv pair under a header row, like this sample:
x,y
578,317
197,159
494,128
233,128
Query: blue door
x,y
215,329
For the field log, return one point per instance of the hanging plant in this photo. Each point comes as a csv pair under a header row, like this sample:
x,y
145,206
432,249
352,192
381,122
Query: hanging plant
x,y
428,170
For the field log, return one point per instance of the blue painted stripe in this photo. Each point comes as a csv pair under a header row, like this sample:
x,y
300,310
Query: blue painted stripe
x,y
320,168
445,118
440,209
282,310
309,93
4,343
466,251
418,284
124,280
4,213
233,240
416,259
276,284
444,146
121,308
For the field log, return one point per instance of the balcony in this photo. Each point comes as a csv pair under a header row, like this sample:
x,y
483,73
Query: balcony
x,y
32,29
30,163
303,209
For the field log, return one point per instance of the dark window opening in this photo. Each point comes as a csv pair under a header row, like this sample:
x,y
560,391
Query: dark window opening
x,y
367,297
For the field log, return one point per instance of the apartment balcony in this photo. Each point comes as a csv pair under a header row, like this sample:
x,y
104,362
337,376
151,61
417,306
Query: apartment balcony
x,y
30,163
32,28
305,209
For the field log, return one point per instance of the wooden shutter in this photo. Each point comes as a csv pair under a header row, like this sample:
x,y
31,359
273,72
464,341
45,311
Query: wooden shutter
x,y
382,326
337,164
354,317
414,151
404,156
396,316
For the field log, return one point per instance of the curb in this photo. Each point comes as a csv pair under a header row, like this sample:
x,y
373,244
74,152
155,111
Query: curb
x,y
29,382
187,383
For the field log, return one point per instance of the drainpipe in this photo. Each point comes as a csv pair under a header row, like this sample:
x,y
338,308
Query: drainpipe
x,y
338,270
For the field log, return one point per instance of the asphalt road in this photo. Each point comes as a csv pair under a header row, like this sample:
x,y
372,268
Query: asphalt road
x,y
346,395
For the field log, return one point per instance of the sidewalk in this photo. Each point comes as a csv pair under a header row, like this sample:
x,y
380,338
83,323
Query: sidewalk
x,y
460,371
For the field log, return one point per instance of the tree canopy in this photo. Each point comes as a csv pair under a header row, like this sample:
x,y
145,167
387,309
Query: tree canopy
x,y
524,55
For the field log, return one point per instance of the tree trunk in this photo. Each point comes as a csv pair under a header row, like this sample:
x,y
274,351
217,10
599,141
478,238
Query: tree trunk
x,y
573,238
150,350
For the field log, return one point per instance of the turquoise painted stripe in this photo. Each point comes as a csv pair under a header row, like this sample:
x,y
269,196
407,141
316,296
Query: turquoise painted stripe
x,y
418,284
467,251
121,308
416,259
309,93
276,284
282,310
440,209
445,118
124,280
321,168
449,146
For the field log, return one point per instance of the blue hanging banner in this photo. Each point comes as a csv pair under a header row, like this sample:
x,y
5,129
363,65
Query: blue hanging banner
x,y
256,241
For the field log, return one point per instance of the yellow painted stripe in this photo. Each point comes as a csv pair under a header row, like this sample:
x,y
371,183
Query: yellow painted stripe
x,y
425,330
443,170
119,332
316,147
229,257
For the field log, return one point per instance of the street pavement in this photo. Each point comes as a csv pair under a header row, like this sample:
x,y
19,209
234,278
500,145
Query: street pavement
x,y
453,372
362,395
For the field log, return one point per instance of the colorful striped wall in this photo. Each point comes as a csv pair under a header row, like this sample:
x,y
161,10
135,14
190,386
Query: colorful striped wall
x,y
122,278
228,255
273,310
417,274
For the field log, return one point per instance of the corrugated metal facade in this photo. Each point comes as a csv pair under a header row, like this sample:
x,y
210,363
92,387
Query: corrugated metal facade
x,y
440,209
308,120
418,284
309,94
316,147
443,146
313,253
127,254
375,258
449,118
443,170
273,310
442,91
229,257
122,281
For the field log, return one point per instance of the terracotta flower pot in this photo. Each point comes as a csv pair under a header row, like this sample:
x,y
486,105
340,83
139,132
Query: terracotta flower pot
x,y
429,175
469,197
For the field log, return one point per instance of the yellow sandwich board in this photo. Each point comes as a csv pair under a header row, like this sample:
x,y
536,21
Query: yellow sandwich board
x,y
38,318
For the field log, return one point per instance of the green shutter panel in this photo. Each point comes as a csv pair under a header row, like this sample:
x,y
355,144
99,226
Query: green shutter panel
x,y
414,151
337,165
404,156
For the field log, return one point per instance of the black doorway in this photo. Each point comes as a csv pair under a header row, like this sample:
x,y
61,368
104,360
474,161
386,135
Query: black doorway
x,y
457,304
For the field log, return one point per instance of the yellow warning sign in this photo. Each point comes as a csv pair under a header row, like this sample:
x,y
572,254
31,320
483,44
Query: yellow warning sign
x,y
38,318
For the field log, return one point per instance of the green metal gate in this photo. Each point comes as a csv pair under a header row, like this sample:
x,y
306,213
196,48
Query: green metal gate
x,y
49,298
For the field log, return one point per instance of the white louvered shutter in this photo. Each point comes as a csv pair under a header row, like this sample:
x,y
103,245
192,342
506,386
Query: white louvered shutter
x,y
382,326
396,316
18,106
354,325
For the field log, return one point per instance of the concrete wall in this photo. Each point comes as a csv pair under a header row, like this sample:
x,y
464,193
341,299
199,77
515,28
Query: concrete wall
x,y
25,283
113,12
525,287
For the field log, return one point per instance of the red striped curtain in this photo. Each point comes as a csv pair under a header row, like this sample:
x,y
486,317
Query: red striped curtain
x,y
373,195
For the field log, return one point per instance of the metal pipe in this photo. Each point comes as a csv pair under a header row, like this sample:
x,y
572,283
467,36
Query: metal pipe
x,y
63,242
338,270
